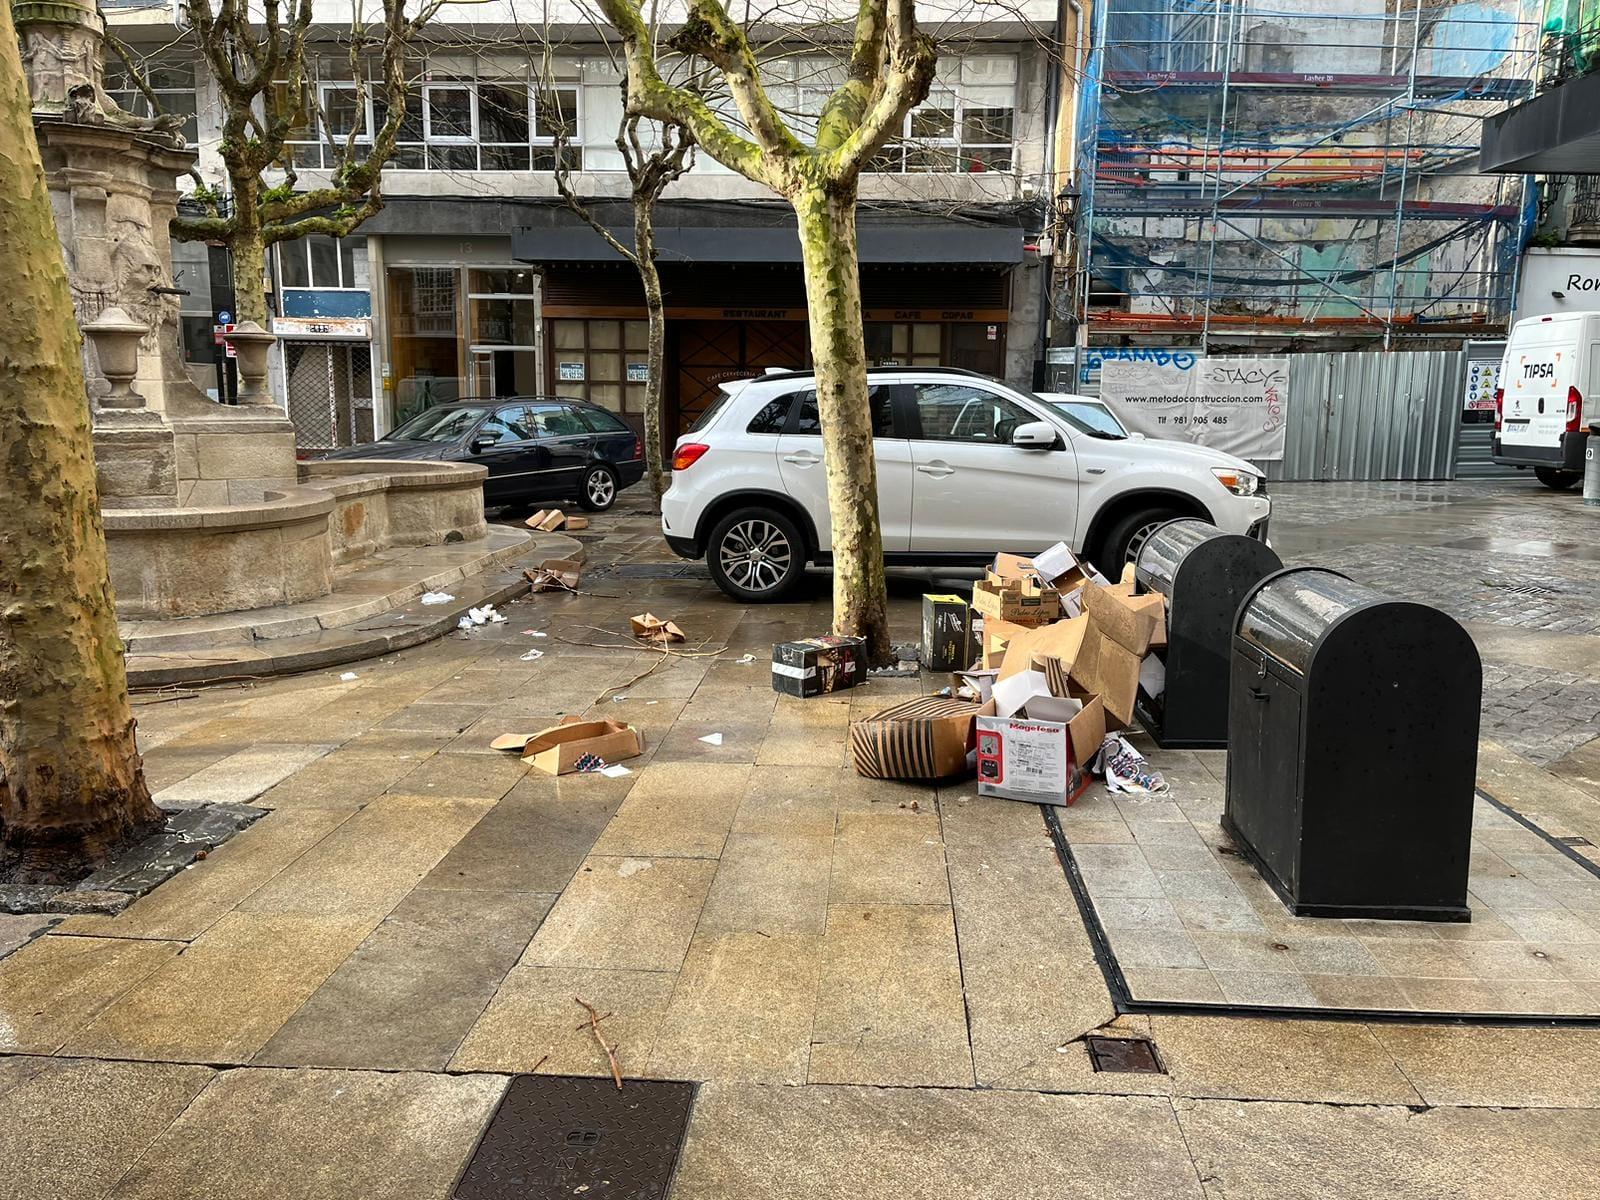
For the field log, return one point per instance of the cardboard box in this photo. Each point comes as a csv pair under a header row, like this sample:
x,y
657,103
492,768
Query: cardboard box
x,y
812,666
1060,568
1028,649
995,637
1036,759
1116,638
651,628
555,575
924,738
1019,600
547,520
576,522
556,750
946,633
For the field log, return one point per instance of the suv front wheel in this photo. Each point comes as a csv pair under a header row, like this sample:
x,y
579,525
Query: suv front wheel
x,y
1127,537
756,555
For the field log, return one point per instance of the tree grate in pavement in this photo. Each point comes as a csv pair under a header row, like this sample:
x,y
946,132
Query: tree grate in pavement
x,y
1134,1056
658,571
1522,589
573,1136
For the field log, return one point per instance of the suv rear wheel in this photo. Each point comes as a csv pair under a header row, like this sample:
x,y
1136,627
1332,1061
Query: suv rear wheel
x,y
1559,480
1127,537
756,555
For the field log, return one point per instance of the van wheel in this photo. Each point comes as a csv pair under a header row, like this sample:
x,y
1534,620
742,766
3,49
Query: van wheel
x,y
1559,480
1127,537
756,555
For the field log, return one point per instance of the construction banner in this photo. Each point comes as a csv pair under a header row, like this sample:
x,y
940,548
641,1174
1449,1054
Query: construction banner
x,y
1239,405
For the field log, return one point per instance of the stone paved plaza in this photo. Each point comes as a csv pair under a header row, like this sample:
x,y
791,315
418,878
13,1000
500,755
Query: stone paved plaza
x,y
882,990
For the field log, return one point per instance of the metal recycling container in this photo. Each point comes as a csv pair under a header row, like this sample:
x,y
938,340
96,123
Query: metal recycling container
x,y
1353,748
1204,574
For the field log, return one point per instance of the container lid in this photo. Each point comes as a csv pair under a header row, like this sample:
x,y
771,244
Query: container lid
x,y
1288,614
1166,548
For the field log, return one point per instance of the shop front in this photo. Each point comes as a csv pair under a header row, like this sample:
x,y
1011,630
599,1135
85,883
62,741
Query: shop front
x,y
729,322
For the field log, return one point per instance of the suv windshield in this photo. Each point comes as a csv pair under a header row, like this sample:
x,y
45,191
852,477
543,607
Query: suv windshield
x,y
1096,420
437,425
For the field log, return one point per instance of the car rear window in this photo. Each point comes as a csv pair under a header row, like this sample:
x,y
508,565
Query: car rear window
x,y
602,421
774,415
807,420
709,413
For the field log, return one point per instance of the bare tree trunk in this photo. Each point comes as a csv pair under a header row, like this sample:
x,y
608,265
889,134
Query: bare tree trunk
x,y
248,248
644,243
827,219
71,783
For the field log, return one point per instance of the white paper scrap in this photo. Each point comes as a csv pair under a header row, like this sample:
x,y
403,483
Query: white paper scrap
x,y
748,658
614,771
1152,676
712,739
533,655
437,597
348,677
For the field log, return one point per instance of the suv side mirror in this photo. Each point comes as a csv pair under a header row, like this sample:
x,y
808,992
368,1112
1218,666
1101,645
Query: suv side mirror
x,y
1035,435
482,442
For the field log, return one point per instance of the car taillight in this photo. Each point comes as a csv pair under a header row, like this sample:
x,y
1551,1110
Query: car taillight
x,y
686,455
635,453
1499,407
1574,409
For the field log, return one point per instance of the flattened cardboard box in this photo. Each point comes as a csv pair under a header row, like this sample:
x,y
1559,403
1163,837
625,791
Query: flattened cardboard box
x,y
812,666
1116,639
556,750
925,738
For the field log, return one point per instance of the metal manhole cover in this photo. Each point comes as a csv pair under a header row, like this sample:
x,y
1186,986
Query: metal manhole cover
x,y
569,1136
1135,1056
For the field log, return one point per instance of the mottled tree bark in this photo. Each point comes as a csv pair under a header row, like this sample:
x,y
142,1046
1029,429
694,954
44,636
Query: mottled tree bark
x,y
827,218
71,783
644,242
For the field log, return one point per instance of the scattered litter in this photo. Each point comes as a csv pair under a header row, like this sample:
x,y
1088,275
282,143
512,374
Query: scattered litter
x,y
712,739
348,677
437,597
560,748
534,633
619,696
533,656
632,866
812,666
574,523
555,575
464,623
615,771
511,741
650,628
1126,770
652,702
589,764
480,616
546,520
746,660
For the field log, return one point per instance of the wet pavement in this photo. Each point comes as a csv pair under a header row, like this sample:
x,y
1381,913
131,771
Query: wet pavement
x,y
881,989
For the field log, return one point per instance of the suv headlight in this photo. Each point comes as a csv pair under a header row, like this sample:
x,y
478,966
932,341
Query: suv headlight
x,y
1240,483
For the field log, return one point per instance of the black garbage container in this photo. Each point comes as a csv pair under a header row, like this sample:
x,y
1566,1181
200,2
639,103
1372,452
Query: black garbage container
x,y
1353,747
1204,573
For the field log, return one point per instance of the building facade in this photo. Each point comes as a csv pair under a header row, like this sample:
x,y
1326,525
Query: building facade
x,y
477,280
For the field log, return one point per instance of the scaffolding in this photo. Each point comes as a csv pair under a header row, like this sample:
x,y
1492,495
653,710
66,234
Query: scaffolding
x,y
1257,172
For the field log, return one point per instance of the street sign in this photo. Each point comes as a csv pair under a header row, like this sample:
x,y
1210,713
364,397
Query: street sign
x,y
225,317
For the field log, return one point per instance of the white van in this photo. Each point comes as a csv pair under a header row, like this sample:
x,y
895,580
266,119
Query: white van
x,y
1551,364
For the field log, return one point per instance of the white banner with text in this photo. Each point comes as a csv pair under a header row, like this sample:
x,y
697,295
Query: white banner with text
x,y
1235,404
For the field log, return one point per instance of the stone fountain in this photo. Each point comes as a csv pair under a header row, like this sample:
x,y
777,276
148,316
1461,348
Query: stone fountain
x,y
206,509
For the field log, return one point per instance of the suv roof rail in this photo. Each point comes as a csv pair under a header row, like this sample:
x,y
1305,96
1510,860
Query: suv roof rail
x,y
771,374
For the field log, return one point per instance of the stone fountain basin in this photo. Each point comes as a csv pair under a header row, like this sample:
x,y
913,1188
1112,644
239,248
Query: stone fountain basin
x,y
282,549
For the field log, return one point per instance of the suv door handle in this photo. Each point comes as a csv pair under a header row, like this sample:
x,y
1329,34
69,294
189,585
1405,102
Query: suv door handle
x,y
803,458
937,469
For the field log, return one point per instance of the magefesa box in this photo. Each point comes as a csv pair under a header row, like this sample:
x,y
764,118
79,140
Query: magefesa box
x,y
1037,760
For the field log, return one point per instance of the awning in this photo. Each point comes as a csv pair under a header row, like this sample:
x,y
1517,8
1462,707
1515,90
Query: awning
x,y
879,242
1557,133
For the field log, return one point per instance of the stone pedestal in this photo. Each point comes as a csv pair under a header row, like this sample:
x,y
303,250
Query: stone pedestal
x,y
135,459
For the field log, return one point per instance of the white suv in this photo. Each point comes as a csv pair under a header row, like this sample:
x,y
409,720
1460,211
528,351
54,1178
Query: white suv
x,y
967,466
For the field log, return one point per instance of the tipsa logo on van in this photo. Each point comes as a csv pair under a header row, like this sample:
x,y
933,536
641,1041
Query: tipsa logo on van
x,y
1541,370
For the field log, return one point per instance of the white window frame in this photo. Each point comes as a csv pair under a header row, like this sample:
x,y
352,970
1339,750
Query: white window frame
x,y
428,136
302,245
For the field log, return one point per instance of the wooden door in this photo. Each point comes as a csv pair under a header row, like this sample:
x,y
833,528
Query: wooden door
x,y
710,353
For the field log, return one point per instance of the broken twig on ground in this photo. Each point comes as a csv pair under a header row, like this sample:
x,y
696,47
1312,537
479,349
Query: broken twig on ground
x,y
594,1027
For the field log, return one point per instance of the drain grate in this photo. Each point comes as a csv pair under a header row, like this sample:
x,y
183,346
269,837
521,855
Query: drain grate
x,y
1522,589
568,1136
1134,1056
658,571
1574,841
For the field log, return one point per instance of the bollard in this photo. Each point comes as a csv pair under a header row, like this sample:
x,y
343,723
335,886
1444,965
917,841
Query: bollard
x,y
1591,475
